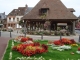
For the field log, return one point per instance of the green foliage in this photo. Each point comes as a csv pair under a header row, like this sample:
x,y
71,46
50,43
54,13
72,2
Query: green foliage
x,y
43,16
52,33
21,22
4,29
10,30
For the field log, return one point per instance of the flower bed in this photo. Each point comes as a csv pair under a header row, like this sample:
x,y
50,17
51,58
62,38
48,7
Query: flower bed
x,y
38,49
51,33
30,49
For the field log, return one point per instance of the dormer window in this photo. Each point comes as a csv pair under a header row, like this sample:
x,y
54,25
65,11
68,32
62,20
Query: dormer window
x,y
19,10
15,10
43,11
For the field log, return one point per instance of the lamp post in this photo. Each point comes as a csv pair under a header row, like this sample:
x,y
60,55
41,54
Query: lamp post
x,y
79,38
10,29
10,33
60,37
25,30
42,35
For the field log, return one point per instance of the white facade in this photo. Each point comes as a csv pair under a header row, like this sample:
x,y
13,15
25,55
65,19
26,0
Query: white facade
x,y
18,18
14,20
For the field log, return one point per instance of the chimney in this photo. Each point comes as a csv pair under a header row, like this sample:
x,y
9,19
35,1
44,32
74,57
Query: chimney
x,y
4,13
26,6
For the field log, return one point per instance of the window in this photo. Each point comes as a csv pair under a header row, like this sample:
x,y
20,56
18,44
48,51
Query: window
x,y
17,13
15,10
8,24
9,19
19,10
1,21
43,11
0,17
11,25
13,19
17,19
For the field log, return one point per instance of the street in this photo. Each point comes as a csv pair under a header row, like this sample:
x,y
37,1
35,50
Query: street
x,y
35,37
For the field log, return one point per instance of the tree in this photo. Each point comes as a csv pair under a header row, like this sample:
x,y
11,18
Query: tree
x,y
21,23
47,25
78,25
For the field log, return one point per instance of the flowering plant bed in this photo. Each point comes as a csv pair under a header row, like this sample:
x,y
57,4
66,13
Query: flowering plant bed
x,y
50,54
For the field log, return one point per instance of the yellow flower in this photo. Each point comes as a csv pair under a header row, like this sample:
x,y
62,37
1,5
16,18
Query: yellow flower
x,y
27,36
74,44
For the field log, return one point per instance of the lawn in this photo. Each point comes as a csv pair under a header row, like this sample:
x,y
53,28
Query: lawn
x,y
50,55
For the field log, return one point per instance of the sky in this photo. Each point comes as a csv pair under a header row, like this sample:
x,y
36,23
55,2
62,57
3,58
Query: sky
x,y
8,5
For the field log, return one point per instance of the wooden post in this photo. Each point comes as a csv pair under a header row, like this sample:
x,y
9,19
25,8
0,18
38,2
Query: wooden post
x,y
73,27
25,28
38,25
30,26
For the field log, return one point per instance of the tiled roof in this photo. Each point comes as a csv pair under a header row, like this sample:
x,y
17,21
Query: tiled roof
x,y
28,10
79,17
57,10
17,12
2,15
20,11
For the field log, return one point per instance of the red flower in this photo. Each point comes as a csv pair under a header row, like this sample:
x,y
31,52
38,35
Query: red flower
x,y
24,39
30,39
72,41
36,44
57,42
30,49
45,46
14,48
79,49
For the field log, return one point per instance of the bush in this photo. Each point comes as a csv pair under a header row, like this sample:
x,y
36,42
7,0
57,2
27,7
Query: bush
x,y
10,30
4,29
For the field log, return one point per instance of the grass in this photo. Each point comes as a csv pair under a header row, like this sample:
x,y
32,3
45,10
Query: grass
x,y
51,54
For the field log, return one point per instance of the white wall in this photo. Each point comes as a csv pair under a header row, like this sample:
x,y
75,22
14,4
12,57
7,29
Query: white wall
x,y
18,26
14,21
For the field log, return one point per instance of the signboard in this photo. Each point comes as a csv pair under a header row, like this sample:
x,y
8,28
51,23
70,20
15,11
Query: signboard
x,y
62,24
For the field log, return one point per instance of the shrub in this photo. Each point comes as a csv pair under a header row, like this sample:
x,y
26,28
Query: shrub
x,y
10,30
4,29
